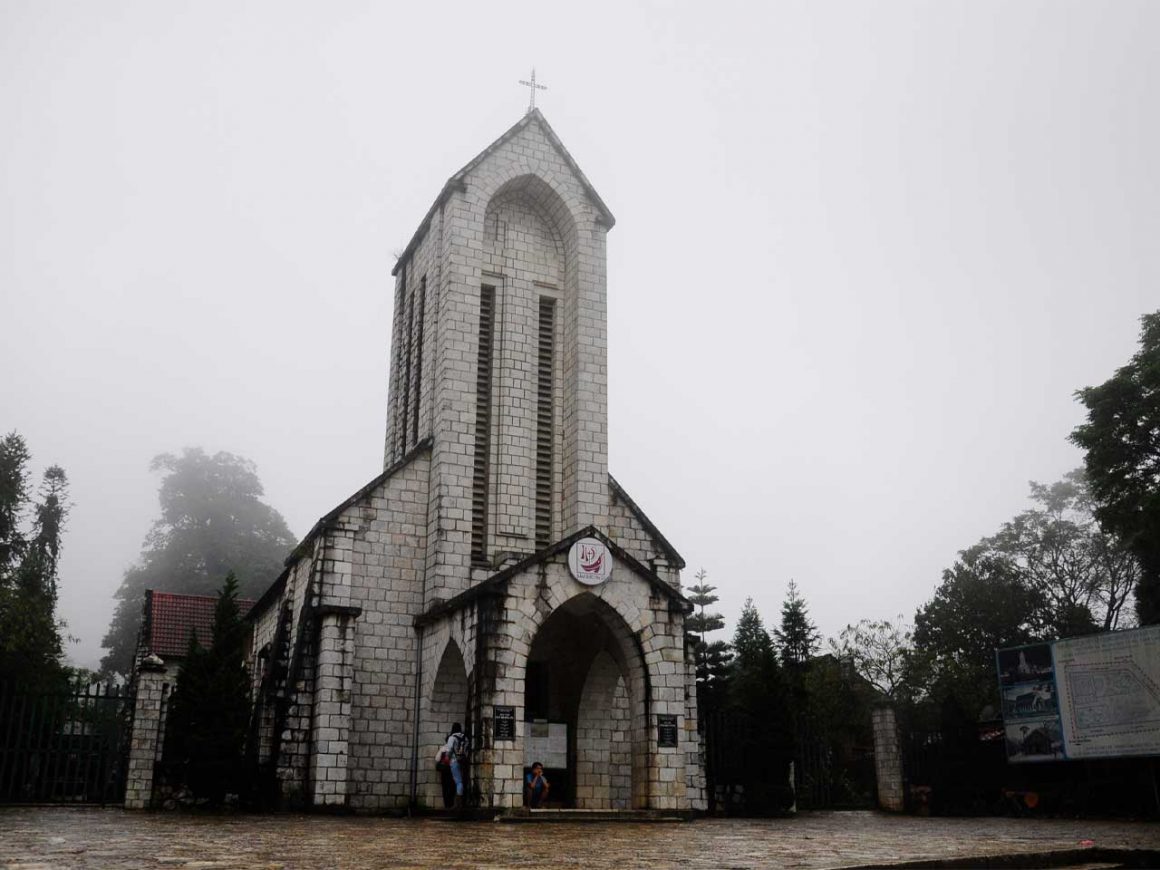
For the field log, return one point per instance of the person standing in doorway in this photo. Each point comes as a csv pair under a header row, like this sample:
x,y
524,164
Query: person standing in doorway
x,y
454,754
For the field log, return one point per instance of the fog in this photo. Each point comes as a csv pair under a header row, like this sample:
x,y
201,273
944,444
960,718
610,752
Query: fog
x,y
864,254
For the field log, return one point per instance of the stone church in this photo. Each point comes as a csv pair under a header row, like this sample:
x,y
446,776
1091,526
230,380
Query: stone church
x,y
495,573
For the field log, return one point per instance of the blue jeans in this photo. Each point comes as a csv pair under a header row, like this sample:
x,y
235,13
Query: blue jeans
x,y
457,775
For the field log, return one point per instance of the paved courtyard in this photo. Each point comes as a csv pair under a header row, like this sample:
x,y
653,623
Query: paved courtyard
x,y
42,837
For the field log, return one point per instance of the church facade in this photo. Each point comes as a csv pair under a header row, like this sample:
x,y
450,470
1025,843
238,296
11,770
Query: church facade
x,y
494,574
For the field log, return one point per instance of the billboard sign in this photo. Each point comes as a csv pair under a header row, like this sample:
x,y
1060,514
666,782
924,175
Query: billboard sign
x,y
1096,696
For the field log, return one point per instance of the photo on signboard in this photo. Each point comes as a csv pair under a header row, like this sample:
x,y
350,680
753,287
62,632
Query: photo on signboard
x,y
1025,664
1036,699
1035,739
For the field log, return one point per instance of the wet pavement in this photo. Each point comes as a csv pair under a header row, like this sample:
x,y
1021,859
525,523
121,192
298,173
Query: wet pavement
x,y
44,837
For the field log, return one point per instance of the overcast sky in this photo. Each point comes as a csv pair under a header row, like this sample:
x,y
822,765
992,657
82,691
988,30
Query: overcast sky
x,y
864,254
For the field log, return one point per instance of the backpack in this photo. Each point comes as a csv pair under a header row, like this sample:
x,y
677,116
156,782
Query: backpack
x,y
461,745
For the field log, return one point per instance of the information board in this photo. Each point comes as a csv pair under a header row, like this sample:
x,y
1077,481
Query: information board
x,y
505,723
666,730
1096,696
1109,690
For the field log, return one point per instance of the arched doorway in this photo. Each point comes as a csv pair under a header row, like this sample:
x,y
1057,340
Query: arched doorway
x,y
448,705
584,704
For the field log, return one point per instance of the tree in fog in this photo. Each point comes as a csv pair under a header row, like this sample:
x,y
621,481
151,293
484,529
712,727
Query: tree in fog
x,y
1121,440
982,604
798,637
712,657
877,650
30,544
213,522
1082,575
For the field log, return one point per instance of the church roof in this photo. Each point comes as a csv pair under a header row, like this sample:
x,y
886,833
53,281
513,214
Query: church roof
x,y
661,540
457,181
494,585
275,588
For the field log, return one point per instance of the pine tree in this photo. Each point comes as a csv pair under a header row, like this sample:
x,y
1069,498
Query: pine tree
x,y
712,657
210,708
798,637
757,691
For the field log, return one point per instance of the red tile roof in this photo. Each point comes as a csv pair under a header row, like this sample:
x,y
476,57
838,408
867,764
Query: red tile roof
x,y
173,618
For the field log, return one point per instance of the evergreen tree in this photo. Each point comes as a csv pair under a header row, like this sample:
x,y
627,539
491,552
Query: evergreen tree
x,y
211,706
30,642
712,657
798,637
756,690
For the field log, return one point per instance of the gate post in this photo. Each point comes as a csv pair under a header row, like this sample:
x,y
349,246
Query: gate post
x,y
148,733
887,758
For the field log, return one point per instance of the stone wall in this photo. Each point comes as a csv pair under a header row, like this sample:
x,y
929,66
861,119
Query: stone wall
x,y
888,759
147,740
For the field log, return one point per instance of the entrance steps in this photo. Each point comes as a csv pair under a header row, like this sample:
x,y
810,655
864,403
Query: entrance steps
x,y
575,815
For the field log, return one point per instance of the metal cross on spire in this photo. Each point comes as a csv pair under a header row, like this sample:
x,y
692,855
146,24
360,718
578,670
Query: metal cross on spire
x,y
532,88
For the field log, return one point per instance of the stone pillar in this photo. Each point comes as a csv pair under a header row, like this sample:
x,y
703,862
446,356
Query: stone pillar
x,y
147,739
887,759
332,707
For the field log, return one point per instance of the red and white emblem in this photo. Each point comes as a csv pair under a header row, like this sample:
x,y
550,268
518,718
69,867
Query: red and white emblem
x,y
590,562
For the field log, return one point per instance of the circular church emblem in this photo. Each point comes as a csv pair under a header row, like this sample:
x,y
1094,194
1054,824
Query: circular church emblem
x,y
590,562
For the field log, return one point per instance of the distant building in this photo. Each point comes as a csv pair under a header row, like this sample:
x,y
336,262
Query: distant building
x,y
169,620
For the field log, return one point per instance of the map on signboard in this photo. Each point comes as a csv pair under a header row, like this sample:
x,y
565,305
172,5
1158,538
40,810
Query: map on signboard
x,y
1096,696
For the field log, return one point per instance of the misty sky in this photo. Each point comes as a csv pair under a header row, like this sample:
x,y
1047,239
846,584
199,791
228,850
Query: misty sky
x,y
864,254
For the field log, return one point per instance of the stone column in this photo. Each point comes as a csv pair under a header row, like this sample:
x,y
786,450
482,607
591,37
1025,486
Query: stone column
x,y
887,759
332,708
147,739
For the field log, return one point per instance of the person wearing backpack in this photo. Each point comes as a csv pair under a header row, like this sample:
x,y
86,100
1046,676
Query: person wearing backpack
x,y
453,753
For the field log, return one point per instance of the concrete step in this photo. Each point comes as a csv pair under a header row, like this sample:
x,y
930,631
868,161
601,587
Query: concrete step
x,y
576,815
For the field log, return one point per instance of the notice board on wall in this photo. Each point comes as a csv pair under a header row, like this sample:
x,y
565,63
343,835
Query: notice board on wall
x,y
1096,696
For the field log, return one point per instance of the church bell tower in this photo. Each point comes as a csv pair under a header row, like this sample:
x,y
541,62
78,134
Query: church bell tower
x,y
499,355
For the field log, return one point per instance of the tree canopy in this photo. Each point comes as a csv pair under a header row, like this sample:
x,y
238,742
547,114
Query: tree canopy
x,y
1082,575
213,522
981,605
1121,440
30,641
878,650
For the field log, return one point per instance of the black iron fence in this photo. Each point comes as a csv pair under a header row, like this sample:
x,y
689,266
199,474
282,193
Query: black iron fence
x,y
64,745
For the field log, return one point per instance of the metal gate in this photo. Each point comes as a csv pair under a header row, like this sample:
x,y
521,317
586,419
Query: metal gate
x,y
63,746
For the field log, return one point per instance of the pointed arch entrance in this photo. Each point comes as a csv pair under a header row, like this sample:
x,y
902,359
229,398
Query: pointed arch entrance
x,y
448,705
585,706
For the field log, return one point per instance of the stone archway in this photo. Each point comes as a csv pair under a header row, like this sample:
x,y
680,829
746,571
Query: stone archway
x,y
585,702
448,705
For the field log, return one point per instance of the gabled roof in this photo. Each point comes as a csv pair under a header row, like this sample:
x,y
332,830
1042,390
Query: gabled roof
x,y
327,519
642,518
171,619
494,585
457,181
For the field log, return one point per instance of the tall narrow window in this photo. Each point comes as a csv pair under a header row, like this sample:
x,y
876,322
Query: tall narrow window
x,y
545,419
482,424
418,359
406,424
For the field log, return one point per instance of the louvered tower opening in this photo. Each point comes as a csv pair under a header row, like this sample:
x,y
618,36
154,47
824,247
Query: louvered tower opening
x,y
545,419
418,359
481,474
405,423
